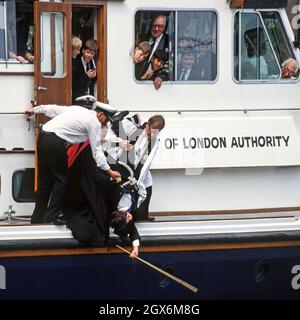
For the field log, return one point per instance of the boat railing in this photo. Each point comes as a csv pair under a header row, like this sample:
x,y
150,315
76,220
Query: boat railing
x,y
244,110
12,113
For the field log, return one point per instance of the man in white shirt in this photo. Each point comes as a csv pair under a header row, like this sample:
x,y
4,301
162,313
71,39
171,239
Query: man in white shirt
x,y
69,125
139,157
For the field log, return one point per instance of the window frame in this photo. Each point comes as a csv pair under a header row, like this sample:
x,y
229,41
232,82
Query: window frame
x,y
12,186
259,81
9,61
175,10
53,46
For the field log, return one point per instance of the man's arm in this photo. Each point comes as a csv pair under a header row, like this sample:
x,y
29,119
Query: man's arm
x,y
135,238
50,110
94,135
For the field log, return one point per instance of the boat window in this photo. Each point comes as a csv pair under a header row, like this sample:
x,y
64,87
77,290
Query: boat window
x,y
2,31
16,31
184,42
196,46
52,44
254,57
277,35
23,185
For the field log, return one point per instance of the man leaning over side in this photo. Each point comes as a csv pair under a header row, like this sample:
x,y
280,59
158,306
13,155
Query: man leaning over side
x,y
69,125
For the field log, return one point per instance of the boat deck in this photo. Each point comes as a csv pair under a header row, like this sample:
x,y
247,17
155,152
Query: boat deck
x,y
165,226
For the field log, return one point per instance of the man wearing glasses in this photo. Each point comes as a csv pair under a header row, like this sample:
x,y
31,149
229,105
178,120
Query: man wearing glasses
x,y
158,40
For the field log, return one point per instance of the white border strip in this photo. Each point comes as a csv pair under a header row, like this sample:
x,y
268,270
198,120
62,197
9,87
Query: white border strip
x,y
162,228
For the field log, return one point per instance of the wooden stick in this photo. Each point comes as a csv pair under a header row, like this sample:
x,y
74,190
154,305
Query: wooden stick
x,y
167,274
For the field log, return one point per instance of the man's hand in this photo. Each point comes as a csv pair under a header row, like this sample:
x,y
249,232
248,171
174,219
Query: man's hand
x,y
91,74
115,175
157,83
20,59
134,252
147,75
29,57
29,112
126,145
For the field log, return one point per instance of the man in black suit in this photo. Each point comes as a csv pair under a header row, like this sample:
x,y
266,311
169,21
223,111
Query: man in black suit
x,y
206,59
158,40
188,69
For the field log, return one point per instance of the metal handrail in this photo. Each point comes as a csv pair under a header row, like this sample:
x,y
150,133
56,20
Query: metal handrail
x,y
8,113
244,110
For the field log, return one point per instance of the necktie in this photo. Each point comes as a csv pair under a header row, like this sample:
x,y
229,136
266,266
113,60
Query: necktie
x,y
152,43
183,75
87,66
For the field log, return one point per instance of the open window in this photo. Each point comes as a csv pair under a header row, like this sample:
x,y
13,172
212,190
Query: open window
x,y
277,35
16,31
188,40
260,46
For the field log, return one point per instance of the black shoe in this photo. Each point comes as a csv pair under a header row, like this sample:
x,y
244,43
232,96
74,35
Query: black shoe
x,y
59,221
143,219
36,221
150,219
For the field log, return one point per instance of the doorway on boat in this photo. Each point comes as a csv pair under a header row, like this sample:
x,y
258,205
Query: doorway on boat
x,y
88,53
55,25
55,22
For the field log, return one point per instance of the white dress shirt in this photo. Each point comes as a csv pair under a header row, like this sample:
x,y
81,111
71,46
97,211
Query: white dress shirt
x,y
157,40
124,204
84,63
145,179
75,124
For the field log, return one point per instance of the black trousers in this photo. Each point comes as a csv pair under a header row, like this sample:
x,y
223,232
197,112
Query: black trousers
x,y
52,177
142,212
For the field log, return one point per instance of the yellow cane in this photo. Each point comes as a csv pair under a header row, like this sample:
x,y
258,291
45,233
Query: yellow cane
x,y
185,284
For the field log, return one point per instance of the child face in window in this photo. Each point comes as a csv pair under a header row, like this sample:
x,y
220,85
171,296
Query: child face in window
x,y
203,49
157,63
139,55
75,52
88,55
188,61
